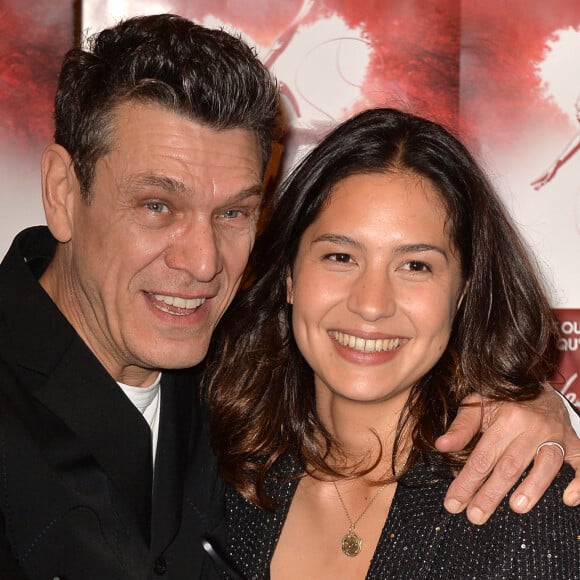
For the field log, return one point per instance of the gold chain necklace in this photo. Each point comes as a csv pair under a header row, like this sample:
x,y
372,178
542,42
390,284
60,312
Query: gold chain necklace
x,y
352,542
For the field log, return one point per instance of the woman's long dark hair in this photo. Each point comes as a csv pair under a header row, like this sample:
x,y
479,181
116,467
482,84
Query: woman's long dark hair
x,y
503,342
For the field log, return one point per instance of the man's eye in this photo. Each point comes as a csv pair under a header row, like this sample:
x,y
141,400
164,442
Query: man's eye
x,y
157,207
232,213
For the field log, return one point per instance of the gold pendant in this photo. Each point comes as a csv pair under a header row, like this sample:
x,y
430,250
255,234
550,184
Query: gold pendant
x,y
351,544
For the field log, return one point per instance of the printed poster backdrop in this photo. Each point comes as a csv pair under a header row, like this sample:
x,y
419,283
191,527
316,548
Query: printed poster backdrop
x,y
520,99
33,39
505,79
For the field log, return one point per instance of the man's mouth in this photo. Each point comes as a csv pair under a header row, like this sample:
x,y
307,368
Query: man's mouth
x,y
177,305
365,344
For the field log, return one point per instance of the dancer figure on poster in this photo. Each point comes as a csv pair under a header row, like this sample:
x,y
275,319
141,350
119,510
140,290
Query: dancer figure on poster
x,y
571,148
306,128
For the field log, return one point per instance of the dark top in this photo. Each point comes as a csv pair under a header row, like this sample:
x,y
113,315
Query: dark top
x,y
77,496
421,540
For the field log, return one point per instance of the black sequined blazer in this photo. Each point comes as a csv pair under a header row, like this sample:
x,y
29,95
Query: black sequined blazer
x,y
422,540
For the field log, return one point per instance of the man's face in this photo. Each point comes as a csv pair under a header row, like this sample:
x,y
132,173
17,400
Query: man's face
x,y
155,259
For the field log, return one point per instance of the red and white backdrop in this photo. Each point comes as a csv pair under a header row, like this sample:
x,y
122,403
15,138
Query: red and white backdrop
x,y
34,35
505,76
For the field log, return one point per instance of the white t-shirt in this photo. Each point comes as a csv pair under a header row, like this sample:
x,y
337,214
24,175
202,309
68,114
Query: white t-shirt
x,y
148,401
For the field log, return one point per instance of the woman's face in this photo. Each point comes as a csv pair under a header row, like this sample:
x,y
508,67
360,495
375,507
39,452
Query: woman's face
x,y
375,287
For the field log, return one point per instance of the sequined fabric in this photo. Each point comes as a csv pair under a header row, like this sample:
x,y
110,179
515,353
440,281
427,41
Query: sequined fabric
x,y
421,540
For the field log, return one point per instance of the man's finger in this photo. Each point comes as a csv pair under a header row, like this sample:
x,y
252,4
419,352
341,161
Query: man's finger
x,y
483,482
572,492
465,427
547,463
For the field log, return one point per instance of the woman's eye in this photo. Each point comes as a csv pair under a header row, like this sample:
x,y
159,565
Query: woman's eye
x,y
416,266
341,258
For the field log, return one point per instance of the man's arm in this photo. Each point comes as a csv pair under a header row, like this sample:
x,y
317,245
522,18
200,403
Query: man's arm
x,y
511,434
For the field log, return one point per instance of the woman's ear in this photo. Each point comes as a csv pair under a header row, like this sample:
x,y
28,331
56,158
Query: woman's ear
x,y
289,286
60,191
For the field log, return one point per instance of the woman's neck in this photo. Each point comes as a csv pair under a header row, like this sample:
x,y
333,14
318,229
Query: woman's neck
x,y
364,431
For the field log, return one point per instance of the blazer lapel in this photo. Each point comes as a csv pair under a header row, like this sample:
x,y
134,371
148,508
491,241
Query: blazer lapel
x,y
416,525
59,370
177,397
93,406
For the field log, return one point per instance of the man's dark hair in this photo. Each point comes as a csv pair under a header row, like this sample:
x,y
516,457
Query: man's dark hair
x,y
208,76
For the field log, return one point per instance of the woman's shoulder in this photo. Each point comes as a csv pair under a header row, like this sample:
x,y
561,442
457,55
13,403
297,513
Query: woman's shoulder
x,y
543,543
550,530
280,486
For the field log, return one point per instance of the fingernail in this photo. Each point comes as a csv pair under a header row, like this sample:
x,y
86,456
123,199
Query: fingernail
x,y
521,502
572,498
453,506
476,516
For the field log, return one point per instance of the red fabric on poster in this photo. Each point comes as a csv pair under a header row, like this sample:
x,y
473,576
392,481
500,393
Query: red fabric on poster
x,y
33,39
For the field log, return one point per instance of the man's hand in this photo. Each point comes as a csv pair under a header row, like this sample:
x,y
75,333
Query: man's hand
x,y
511,434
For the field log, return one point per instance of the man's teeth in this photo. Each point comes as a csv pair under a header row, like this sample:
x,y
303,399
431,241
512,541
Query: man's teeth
x,y
176,302
366,345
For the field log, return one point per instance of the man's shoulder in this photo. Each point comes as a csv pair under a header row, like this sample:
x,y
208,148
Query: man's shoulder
x,y
31,246
34,335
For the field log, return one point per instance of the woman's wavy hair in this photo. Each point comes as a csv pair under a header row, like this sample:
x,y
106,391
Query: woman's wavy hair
x,y
503,341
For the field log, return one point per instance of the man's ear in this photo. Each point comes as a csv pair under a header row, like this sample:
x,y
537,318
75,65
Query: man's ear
x,y
289,287
60,191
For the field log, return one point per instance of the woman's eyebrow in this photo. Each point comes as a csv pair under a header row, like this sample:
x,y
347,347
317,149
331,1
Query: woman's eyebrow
x,y
421,247
343,240
338,239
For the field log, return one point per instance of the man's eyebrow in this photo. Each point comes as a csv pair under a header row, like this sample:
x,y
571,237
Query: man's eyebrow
x,y
255,190
176,186
161,181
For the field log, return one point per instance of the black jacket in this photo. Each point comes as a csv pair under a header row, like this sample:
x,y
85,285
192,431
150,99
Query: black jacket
x,y
420,540
77,500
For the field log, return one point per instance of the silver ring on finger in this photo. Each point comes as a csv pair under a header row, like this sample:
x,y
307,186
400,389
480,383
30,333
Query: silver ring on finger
x,y
551,444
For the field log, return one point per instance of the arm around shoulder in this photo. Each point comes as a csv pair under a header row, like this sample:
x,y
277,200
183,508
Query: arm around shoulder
x,y
511,435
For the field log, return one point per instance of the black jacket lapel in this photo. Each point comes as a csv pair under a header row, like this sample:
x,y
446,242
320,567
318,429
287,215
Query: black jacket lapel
x,y
416,525
61,372
93,406
171,458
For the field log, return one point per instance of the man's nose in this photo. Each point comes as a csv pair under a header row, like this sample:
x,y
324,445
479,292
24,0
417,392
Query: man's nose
x,y
195,249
